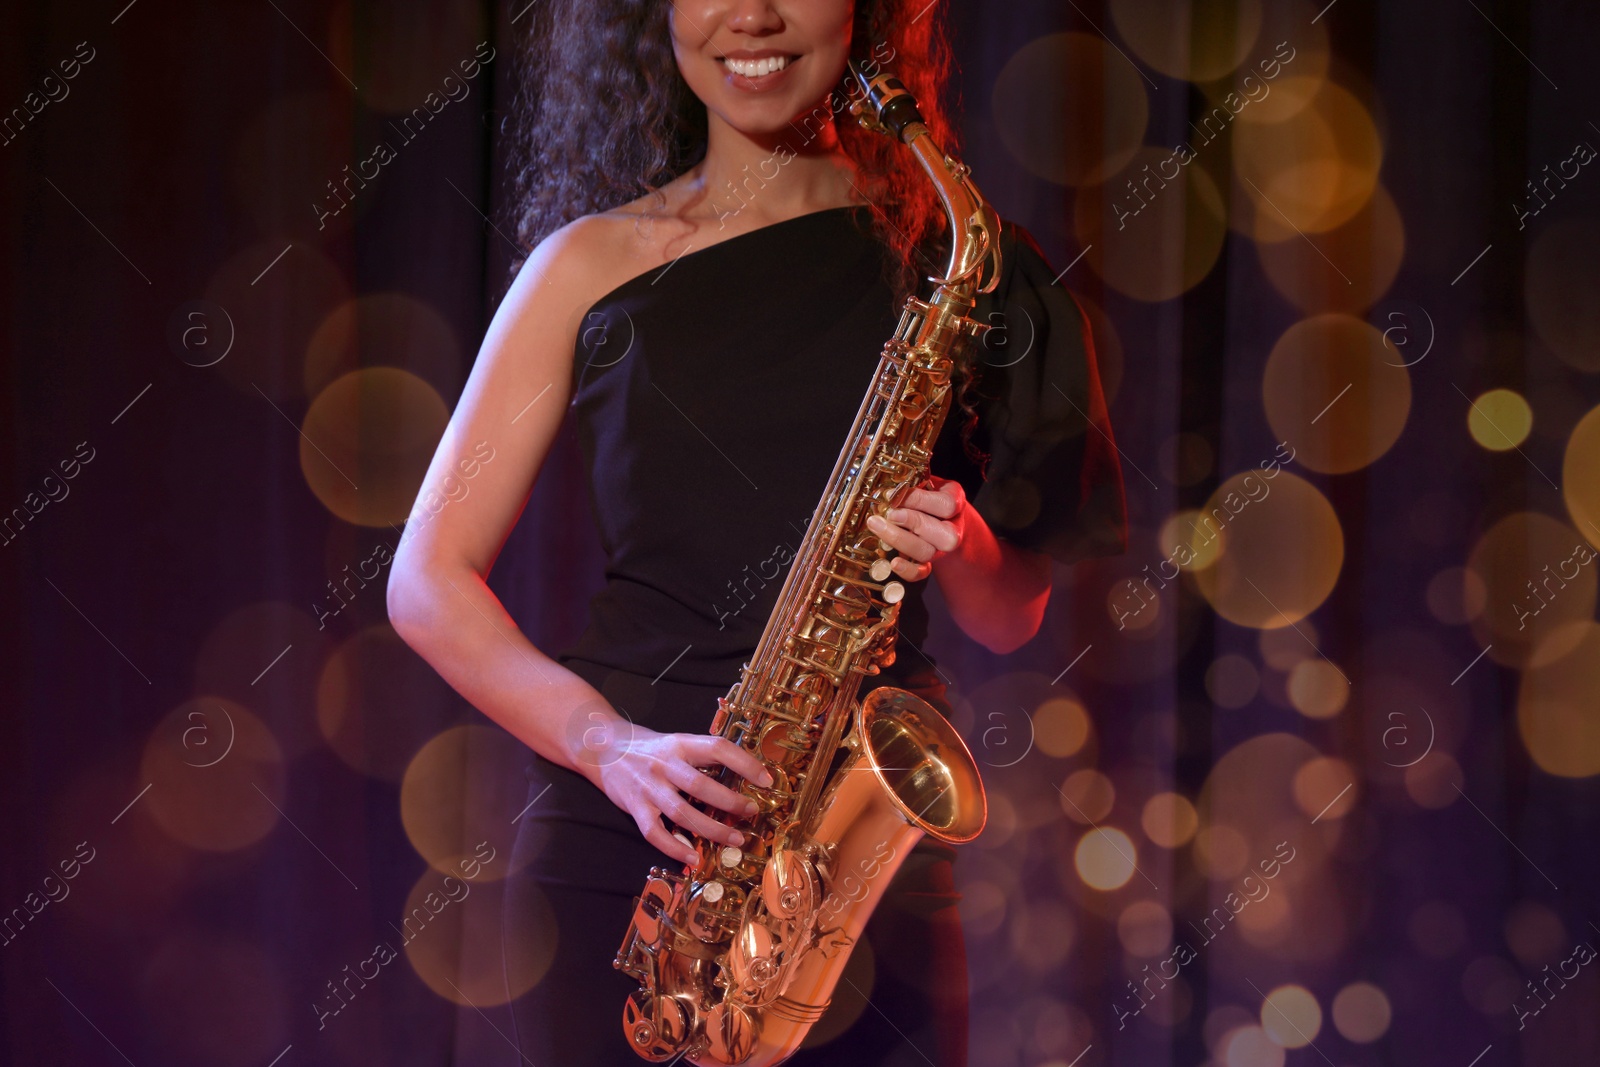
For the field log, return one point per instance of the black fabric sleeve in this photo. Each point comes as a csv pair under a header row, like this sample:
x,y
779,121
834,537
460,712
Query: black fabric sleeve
x,y
1052,483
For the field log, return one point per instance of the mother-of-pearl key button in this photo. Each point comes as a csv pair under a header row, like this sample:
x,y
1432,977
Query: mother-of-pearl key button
x,y
732,857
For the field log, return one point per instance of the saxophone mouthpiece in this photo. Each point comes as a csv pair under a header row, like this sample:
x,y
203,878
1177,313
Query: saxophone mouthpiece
x,y
886,102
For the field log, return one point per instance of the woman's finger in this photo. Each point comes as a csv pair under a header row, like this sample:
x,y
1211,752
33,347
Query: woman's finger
x,y
910,569
944,501
942,535
698,784
692,819
705,750
902,540
649,823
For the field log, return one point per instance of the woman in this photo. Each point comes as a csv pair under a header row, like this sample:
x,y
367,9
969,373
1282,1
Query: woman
x,y
715,265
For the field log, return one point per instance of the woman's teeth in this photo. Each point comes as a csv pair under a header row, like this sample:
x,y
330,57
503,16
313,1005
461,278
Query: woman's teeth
x,y
755,68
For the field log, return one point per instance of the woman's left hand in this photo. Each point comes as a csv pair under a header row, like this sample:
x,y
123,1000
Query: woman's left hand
x,y
927,525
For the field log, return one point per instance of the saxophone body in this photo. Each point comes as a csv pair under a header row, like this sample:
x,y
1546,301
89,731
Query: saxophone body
x,y
738,954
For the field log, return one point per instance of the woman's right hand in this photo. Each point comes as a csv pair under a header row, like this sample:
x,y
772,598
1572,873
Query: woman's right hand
x,y
646,774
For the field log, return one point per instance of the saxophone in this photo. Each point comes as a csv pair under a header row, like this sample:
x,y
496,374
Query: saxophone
x,y
737,956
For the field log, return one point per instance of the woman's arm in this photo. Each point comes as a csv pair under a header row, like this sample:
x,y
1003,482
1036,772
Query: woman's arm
x,y
996,592
440,604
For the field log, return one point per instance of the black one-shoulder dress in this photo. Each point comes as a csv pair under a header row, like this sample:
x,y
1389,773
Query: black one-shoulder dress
x,y
712,398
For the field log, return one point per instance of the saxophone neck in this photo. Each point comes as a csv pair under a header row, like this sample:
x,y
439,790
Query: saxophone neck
x,y
886,106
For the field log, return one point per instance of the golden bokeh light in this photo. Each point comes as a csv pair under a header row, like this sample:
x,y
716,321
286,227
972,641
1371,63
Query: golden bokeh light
x,y
1318,689
1194,40
1435,782
1186,544
459,796
1266,923
1281,550
216,775
454,934
366,443
1070,109
1361,1013
390,329
1154,229
364,687
1169,820
1324,788
1563,274
1311,172
1250,1046
1580,476
1291,1016
1334,390
1061,726
1145,929
1232,681
1348,269
1105,858
1500,420
1538,575
1087,796
1290,61
1220,851
1558,703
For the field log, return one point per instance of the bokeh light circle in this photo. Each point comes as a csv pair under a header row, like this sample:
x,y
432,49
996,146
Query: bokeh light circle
x,y
1070,109
1361,1013
1087,796
1580,475
1348,268
1499,420
1232,681
1061,726
1158,239
1281,554
1311,172
1558,704
454,933
1536,582
1563,275
1105,858
1198,40
1291,1016
389,329
1333,392
1169,820
459,795
216,775
366,443
1317,688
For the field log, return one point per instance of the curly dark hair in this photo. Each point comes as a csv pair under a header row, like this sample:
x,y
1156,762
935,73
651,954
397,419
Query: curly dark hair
x,y
602,116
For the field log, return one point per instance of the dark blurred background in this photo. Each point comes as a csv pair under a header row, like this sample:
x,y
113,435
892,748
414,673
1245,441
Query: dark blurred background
x,y
1314,763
